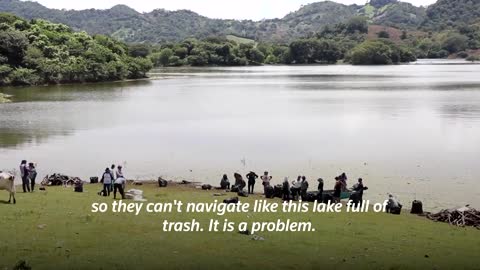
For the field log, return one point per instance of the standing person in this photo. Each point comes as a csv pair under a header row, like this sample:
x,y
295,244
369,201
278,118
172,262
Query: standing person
x,y
112,171
265,181
304,188
119,174
252,177
24,176
296,186
337,190
225,183
107,179
286,190
119,185
320,190
32,175
343,179
359,188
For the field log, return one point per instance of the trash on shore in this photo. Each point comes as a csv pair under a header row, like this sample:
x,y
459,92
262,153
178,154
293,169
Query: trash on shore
x,y
233,200
462,217
134,194
58,179
94,180
207,187
78,185
257,238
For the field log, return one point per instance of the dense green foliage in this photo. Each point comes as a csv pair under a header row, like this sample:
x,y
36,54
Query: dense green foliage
x,y
332,44
380,52
447,14
40,52
323,33
161,26
217,51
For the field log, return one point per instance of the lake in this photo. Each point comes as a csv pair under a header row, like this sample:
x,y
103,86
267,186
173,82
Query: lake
x,y
411,130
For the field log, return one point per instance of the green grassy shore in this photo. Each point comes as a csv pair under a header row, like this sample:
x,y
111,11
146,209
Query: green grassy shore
x,y
55,229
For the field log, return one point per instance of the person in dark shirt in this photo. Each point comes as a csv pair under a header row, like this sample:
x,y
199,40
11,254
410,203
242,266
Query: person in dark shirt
x,y
359,188
24,176
225,183
32,175
286,190
320,189
304,188
337,190
252,177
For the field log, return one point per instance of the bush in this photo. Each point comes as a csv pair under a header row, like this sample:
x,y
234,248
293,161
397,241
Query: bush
x,y
24,76
380,52
473,58
462,54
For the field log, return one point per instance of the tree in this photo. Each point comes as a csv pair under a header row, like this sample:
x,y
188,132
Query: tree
x,y
357,24
255,56
164,57
310,51
455,43
372,52
13,45
139,50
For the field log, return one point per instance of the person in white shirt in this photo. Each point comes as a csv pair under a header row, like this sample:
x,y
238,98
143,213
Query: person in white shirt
x,y
265,181
119,185
296,186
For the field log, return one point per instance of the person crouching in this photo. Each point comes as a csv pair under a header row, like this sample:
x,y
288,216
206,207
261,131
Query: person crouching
x,y
119,185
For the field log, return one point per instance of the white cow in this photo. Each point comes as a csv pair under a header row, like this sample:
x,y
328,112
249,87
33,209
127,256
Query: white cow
x,y
7,183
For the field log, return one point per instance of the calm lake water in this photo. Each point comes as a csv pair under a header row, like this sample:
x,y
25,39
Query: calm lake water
x,y
412,130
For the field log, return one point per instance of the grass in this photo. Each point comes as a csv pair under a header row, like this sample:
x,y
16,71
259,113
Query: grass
x,y
54,229
240,40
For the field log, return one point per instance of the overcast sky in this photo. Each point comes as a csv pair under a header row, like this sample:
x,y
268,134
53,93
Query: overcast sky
x,y
226,9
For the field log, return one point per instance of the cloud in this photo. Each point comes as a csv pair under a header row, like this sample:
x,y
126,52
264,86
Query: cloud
x,y
225,9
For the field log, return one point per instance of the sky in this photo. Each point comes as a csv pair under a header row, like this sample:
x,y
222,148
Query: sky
x,y
224,9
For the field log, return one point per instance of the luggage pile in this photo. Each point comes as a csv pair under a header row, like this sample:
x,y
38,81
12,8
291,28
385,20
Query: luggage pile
x,y
135,194
58,179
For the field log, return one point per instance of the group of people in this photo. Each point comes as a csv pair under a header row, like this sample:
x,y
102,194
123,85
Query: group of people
x,y
298,188
28,173
113,181
295,190
240,183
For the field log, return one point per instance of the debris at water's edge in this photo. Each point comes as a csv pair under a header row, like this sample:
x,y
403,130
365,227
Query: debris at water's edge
x,y
462,217
4,98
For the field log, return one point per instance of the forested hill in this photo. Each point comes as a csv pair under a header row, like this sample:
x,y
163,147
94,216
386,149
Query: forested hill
x,y
40,52
160,25
446,14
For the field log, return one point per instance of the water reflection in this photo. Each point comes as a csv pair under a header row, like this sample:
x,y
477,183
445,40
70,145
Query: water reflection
x,y
408,129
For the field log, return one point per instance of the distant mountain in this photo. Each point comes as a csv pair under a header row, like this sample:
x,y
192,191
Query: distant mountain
x,y
161,25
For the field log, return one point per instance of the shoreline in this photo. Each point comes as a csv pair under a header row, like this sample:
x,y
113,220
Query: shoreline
x,y
189,67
